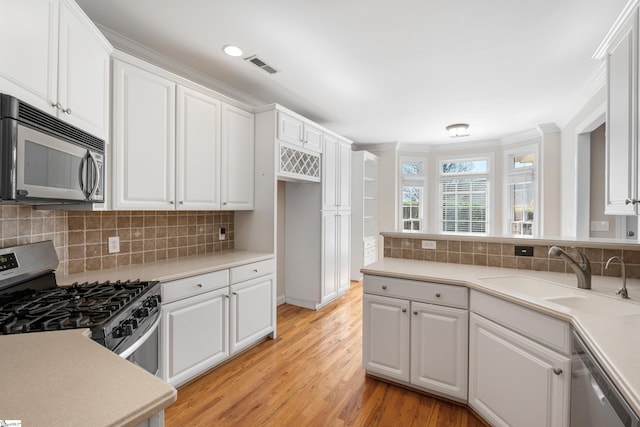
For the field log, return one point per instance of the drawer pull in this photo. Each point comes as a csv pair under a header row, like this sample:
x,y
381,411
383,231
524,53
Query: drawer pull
x,y
255,270
404,310
235,293
199,285
557,371
226,295
415,312
384,287
438,295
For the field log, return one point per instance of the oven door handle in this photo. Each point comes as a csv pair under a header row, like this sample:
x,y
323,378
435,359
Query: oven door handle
x,y
132,348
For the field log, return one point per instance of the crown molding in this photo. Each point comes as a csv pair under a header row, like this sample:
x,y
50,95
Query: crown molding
x,y
525,135
605,44
384,146
145,53
546,128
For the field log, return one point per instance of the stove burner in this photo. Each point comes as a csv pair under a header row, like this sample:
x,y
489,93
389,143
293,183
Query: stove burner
x,y
79,305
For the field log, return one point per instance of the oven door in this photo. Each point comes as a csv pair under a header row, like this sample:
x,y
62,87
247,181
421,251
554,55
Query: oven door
x,y
145,350
52,168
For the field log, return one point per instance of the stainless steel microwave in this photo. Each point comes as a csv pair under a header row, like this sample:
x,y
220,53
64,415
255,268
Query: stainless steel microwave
x,y
44,160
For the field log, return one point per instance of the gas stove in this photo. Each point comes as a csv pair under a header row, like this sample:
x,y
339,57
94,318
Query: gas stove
x,y
30,301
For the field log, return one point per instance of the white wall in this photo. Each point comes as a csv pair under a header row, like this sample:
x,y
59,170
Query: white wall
x,y
568,161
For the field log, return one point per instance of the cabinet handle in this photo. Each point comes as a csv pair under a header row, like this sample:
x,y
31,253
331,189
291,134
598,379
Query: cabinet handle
x,y
234,293
57,105
171,202
224,203
199,285
631,201
181,202
438,295
415,312
226,295
255,270
66,110
384,287
557,371
404,310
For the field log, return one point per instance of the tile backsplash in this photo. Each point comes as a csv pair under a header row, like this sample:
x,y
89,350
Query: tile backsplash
x,y
81,238
496,254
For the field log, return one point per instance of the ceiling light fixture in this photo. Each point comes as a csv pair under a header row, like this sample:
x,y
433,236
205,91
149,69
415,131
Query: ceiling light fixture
x,y
232,50
458,129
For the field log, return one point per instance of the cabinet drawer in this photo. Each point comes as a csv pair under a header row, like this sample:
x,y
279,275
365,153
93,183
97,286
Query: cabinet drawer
x,y
546,330
249,271
371,243
435,293
195,285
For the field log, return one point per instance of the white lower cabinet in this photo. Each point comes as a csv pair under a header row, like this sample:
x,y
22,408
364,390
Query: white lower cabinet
x,y
417,343
205,319
514,380
252,314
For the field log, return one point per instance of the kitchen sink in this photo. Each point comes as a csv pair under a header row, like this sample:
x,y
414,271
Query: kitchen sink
x,y
530,286
598,305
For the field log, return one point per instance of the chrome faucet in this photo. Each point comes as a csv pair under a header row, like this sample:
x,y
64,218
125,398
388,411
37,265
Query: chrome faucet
x,y
581,267
623,290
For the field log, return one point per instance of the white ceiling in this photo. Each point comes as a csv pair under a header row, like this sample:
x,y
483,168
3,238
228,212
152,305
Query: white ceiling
x,y
382,70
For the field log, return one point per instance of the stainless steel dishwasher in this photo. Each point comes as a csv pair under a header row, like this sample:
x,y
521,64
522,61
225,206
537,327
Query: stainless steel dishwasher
x,y
595,401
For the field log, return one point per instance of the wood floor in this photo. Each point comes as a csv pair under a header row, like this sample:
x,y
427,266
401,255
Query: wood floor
x,y
311,375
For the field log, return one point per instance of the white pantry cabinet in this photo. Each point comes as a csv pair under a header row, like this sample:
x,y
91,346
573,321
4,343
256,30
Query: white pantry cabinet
x,y
336,174
176,146
61,66
416,333
515,380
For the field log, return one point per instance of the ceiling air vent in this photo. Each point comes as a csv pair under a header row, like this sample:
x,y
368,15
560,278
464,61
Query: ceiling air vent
x,y
261,64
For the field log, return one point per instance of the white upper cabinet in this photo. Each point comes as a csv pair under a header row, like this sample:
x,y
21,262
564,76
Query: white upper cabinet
x,y
297,132
622,123
237,170
197,150
177,147
62,67
144,139
336,174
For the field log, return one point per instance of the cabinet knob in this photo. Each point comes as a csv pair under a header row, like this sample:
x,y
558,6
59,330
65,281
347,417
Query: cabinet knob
x,y
199,285
255,270
181,202
404,310
171,202
557,371
57,105
226,295
438,295
66,110
631,201
224,203
234,293
384,287
415,312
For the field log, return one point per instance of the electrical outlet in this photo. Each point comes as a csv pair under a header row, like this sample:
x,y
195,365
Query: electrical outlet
x,y
428,244
222,233
524,250
114,244
599,225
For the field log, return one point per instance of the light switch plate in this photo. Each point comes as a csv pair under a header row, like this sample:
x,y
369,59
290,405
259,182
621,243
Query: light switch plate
x,y
428,244
114,244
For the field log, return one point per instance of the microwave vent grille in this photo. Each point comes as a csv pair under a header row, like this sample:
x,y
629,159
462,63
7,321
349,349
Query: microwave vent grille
x,y
51,124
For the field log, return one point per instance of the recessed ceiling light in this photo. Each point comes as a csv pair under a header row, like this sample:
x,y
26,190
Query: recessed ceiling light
x,y
232,50
458,129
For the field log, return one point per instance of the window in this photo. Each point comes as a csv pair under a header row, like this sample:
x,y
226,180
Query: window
x,y
412,187
464,201
521,192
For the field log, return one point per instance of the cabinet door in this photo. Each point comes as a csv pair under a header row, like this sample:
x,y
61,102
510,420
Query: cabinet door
x,y
621,129
312,138
194,335
29,63
143,140
290,129
512,380
329,260
197,151
252,314
237,158
439,337
83,73
344,251
385,336
330,170
344,173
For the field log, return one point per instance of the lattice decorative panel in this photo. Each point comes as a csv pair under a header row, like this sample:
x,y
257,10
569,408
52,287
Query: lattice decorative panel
x,y
299,162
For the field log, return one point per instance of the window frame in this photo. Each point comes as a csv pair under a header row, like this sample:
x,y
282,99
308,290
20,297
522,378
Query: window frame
x,y
509,172
490,179
418,181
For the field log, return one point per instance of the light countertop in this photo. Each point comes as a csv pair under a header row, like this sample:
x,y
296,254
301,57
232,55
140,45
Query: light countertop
x,y
613,333
64,378
170,269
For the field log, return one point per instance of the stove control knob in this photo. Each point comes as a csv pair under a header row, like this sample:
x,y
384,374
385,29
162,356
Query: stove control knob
x,y
117,332
127,329
141,313
132,322
151,302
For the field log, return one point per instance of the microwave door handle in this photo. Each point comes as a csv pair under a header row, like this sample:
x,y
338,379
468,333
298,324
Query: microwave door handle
x,y
83,174
96,184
